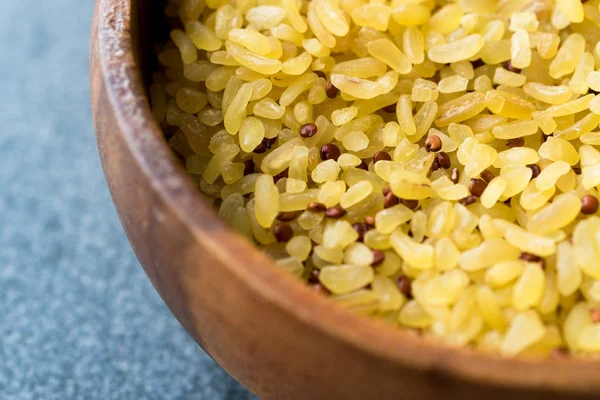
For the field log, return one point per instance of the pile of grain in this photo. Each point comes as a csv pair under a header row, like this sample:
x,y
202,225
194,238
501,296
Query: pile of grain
x,y
431,163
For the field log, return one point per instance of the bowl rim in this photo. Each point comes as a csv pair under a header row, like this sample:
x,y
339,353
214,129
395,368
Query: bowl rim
x,y
127,96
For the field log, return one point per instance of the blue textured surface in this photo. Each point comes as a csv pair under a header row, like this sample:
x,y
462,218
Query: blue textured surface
x,y
78,317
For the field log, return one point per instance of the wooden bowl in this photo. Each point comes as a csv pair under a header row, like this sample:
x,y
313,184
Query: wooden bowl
x,y
275,336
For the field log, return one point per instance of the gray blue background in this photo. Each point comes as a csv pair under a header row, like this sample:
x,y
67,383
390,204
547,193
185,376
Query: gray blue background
x,y
78,317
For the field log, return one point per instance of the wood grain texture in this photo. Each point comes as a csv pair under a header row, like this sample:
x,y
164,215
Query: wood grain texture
x,y
274,335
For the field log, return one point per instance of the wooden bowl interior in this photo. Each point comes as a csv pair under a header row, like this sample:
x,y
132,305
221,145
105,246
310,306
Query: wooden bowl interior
x,y
152,27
